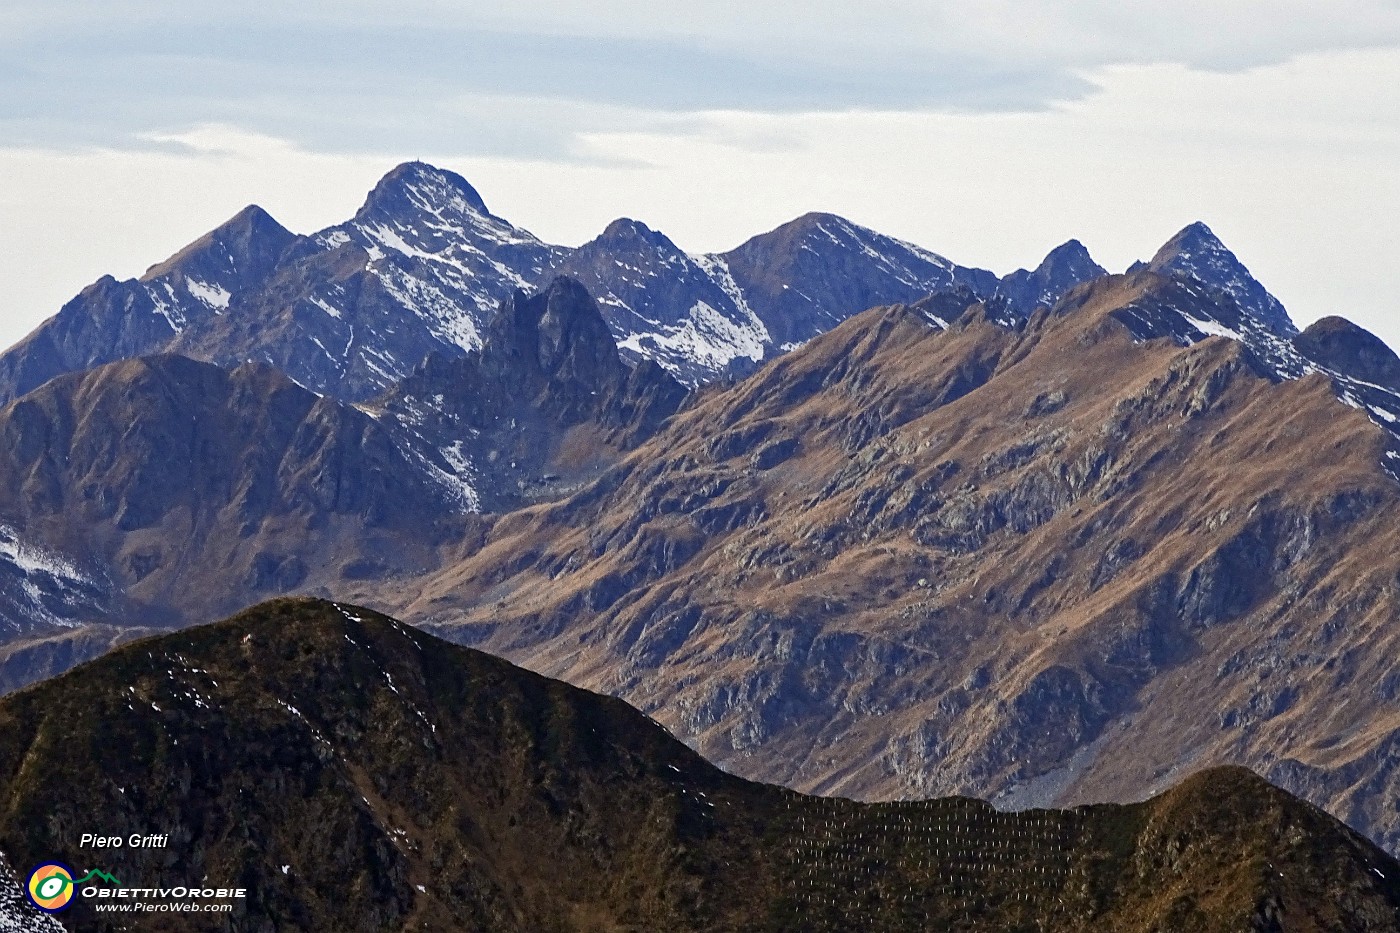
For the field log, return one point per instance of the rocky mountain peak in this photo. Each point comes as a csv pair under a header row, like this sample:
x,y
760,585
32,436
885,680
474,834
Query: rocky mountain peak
x,y
423,266
556,333
500,421
1197,253
1340,345
248,244
820,230
1071,254
416,187
1064,267
845,266
625,233
1195,236
816,221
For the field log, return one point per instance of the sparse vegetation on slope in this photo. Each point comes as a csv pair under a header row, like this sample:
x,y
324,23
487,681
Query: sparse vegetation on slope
x,y
354,773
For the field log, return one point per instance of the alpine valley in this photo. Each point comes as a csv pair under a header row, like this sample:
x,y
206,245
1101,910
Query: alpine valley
x,y
841,514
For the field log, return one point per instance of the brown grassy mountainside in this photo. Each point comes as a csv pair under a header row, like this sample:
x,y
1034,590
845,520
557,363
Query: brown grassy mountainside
x,y
355,774
1046,564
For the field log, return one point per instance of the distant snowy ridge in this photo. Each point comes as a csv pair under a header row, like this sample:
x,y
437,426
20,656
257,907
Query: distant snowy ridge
x,y
423,266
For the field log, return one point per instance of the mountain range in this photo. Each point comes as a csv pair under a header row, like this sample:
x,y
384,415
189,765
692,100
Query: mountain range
x,y
422,266
350,772
841,514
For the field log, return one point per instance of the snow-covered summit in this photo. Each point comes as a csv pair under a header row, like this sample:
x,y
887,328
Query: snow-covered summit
x,y
424,187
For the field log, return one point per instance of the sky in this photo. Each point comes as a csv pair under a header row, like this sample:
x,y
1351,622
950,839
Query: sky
x,y
989,132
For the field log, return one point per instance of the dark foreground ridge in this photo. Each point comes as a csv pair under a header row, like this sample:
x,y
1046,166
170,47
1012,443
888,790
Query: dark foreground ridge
x,y
353,773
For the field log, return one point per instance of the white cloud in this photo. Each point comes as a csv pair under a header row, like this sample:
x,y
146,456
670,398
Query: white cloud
x,y
1064,31
356,75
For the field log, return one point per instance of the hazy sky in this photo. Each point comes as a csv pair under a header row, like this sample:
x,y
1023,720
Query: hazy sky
x,y
987,131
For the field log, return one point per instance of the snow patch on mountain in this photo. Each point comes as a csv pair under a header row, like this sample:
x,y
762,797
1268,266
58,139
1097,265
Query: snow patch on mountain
x,y
167,305
1278,353
32,560
933,319
889,257
448,467
39,586
441,311
456,476
327,307
215,296
1211,328
332,239
717,269
707,338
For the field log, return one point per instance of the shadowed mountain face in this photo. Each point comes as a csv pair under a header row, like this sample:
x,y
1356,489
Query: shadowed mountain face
x,y
1338,344
849,267
353,773
545,405
1197,253
1051,563
1066,266
687,312
419,269
111,320
162,483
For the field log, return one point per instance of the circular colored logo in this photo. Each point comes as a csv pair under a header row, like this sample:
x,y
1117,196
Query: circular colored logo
x,y
50,887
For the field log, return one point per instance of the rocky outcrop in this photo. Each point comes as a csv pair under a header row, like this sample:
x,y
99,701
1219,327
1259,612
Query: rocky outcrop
x,y
1341,346
1062,269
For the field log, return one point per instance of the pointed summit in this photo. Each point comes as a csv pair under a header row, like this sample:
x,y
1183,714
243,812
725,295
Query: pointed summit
x,y
247,244
1064,267
810,274
685,312
625,231
1071,254
111,320
419,187
1194,246
1196,252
